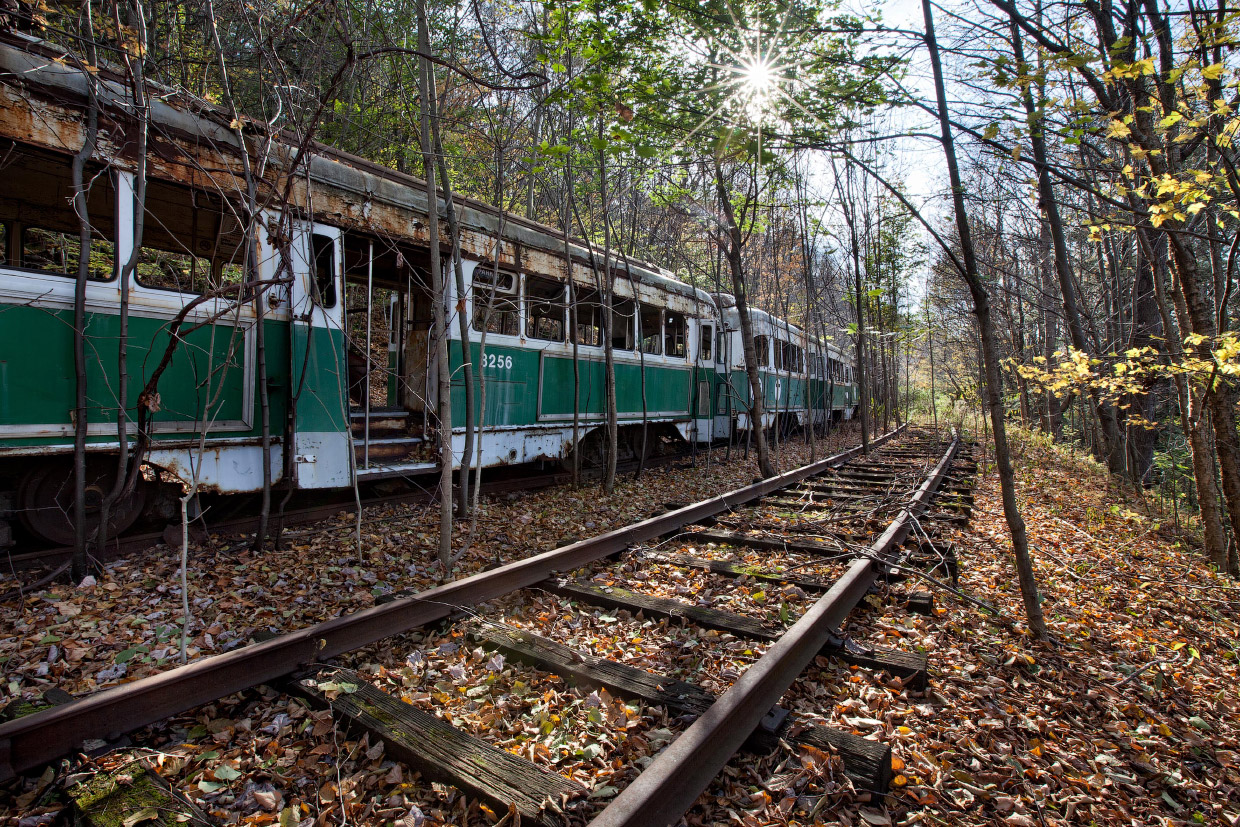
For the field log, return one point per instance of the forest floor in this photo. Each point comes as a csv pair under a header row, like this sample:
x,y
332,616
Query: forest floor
x,y
126,622
1129,716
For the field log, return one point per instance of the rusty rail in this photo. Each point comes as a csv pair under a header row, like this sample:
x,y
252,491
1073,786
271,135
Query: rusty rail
x,y
670,785
38,739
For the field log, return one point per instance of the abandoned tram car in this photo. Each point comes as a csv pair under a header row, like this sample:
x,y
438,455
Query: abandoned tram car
x,y
347,342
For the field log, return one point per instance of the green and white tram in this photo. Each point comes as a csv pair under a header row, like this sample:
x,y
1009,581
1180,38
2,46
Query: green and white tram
x,y
325,334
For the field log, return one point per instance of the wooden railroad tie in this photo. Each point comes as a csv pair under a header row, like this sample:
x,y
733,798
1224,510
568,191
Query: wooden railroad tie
x,y
867,763
132,794
762,541
105,799
730,569
440,751
910,667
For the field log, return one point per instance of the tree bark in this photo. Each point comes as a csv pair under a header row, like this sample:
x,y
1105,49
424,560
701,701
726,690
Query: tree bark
x,y
733,249
990,356
438,298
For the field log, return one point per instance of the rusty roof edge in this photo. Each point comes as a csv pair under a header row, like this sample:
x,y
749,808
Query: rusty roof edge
x,y
33,61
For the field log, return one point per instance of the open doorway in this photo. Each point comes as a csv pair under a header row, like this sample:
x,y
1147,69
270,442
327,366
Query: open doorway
x,y
387,341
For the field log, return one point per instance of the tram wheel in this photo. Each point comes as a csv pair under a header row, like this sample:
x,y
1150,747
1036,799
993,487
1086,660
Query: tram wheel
x,y
45,500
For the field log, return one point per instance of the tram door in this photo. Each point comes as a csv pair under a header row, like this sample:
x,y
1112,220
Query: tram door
x,y
725,404
321,442
388,314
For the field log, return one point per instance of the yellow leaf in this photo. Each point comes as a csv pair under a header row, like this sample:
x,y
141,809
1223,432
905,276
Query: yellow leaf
x,y
1212,72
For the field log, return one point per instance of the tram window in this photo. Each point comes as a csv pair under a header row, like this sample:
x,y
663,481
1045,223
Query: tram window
x,y
4,242
762,346
708,339
484,277
495,308
54,252
651,327
622,315
721,352
173,271
544,309
324,249
675,335
788,357
588,309
192,241
36,207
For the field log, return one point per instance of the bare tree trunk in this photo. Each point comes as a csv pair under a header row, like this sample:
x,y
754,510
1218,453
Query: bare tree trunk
x,y
734,248
467,366
609,355
80,563
438,299
1050,207
990,356
119,485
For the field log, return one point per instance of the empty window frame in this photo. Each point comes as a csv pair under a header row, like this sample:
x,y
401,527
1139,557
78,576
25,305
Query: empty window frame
x,y
495,302
587,310
788,357
41,227
707,338
675,334
192,242
54,252
323,248
762,347
623,318
650,325
544,309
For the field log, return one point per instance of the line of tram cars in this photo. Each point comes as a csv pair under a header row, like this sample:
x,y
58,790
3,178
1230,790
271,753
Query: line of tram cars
x,y
366,246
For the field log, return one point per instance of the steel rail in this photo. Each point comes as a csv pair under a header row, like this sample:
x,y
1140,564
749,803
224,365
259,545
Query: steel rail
x,y
673,781
36,740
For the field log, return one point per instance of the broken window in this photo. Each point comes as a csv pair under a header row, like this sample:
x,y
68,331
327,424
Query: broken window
x,y
795,360
708,339
41,227
324,249
623,313
54,252
651,327
495,302
192,242
675,334
588,309
544,309
762,346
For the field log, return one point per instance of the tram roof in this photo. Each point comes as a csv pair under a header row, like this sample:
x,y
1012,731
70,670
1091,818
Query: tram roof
x,y
31,62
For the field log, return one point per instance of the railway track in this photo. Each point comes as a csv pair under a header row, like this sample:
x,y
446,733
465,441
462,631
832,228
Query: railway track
x,y
818,538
